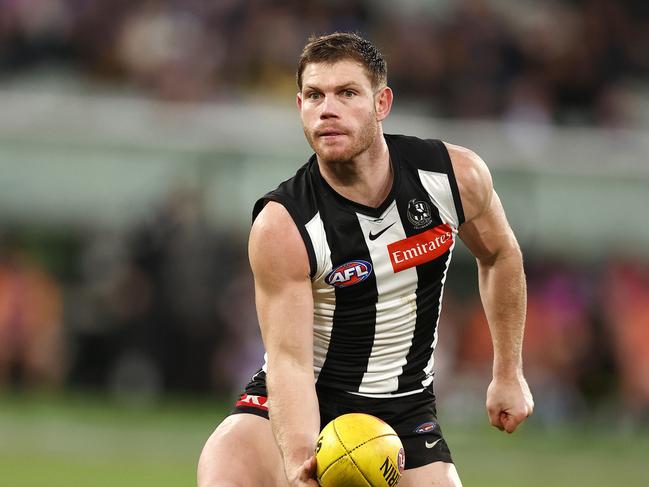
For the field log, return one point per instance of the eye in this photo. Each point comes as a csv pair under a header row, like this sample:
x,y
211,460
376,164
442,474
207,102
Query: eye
x,y
313,95
349,93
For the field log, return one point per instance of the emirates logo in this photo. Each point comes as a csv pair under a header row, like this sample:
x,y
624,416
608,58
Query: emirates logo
x,y
420,248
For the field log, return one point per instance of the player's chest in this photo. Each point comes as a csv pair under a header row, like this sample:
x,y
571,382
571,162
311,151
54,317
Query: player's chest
x,y
384,252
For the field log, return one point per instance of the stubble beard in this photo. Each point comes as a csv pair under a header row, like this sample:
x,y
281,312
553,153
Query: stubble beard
x,y
362,140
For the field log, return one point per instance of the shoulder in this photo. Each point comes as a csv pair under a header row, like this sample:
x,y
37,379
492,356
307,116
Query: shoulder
x,y
473,180
296,194
275,247
273,221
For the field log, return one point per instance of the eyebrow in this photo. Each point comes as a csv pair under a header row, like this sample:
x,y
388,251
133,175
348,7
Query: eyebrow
x,y
349,84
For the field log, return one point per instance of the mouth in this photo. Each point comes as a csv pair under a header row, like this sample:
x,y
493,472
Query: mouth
x,y
329,132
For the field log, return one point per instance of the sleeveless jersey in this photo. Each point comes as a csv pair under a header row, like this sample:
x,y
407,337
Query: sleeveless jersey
x,y
377,273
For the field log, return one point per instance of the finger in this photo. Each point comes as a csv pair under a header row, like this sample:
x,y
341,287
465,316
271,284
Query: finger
x,y
310,464
495,419
310,467
511,422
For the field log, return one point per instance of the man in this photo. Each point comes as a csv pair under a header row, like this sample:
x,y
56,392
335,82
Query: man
x,y
349,259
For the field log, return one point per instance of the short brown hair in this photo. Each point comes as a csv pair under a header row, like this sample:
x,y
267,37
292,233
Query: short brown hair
x,y
344,45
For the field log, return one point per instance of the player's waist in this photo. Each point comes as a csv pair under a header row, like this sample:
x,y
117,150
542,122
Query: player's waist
x,y
329,393
353,397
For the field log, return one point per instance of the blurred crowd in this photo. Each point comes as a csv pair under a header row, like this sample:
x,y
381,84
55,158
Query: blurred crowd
x,y
566,61
168,306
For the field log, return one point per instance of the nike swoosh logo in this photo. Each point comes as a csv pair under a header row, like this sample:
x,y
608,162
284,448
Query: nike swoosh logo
x,y
430,445
374,236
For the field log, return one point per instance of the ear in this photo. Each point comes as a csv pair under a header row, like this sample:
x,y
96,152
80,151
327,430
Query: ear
x,y
299,100
383,103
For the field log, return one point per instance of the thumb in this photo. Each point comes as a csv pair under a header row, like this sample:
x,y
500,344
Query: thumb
x,y
310,466
512,421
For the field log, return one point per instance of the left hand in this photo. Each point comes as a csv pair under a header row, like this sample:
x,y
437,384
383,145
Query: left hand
x,y
304,475
509,402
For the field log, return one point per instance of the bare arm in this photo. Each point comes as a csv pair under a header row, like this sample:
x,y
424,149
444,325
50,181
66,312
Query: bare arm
x,y
490,239
285,308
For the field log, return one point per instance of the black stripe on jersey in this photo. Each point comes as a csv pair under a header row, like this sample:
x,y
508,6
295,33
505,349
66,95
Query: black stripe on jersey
x,y
297,217
297,196
443,151
354,319
429,288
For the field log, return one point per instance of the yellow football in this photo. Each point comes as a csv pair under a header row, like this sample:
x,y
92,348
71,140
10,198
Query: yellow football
x,y
359,450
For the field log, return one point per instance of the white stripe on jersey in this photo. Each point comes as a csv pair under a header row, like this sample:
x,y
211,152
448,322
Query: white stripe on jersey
x,y
396,307
265,366
438,188
324,295
429,367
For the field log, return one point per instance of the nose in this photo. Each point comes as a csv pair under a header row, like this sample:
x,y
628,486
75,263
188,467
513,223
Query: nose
x,y
329,108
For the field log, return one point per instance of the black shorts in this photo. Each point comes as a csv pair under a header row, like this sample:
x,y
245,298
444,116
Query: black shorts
x,y
414,417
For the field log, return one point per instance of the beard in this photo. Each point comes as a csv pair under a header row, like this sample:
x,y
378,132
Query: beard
x,y
353,143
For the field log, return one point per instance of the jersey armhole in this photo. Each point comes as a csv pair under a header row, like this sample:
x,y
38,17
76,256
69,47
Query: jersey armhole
x,y
297,219
452,181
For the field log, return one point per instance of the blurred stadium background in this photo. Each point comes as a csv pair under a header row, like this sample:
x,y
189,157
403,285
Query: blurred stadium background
x,y
135,136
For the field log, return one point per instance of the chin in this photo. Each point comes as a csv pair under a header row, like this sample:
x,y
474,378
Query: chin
x,y
335,155
335,152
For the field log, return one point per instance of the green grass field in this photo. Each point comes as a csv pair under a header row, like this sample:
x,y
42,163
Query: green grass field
x,y
86,441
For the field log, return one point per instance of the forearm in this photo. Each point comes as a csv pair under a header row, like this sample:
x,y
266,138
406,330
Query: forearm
x,y
502,289
504,297
294,413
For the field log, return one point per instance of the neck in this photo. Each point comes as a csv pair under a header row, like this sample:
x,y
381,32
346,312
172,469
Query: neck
x,y
366,179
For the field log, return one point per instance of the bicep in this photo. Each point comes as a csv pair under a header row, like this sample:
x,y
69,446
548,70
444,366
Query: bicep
x,y
283,294
488,236
485,232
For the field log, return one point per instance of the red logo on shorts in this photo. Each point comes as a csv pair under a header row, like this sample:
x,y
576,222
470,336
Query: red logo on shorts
x,y
420,248
258,402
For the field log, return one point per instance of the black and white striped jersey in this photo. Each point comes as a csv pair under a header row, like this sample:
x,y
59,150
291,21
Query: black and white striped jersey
x,y
377,273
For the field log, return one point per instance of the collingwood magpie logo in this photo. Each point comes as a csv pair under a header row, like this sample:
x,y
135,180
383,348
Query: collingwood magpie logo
x,y
419,213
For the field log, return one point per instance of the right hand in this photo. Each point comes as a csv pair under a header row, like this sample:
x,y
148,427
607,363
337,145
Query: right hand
x,y
509,403
304,475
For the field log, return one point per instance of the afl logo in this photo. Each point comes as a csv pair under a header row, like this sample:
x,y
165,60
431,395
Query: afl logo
x,y
419,213
349,274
